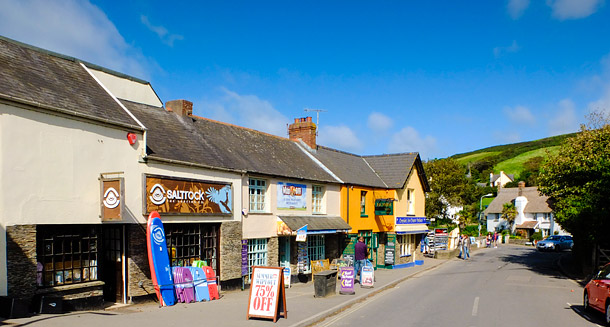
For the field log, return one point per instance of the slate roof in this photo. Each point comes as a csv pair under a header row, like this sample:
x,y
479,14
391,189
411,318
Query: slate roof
x,y
536,203
388,171
350,168
219,145
47,80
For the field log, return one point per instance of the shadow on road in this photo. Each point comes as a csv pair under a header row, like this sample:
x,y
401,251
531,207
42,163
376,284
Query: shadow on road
x,y
592,316
553,264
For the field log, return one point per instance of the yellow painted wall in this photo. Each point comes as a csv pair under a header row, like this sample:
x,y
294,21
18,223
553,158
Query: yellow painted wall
x,y
419,197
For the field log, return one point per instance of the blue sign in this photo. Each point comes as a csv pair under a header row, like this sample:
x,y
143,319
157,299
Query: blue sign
x,y
411,220
291,196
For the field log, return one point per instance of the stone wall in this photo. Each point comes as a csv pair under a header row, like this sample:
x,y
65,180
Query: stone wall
x,y
273,252
21,261
138,280
230,250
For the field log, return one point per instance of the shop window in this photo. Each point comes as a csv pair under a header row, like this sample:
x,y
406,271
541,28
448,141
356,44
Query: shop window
x,y
257,191
189,242
67,254
363,204
315,249
257,253
317,194
406,244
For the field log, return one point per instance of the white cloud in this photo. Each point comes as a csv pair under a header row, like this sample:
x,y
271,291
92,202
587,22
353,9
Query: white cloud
x,y
520,115
517,7
603,103
409,140
379,122
574,9
340,137
499,51
165,36
603,82
564,120
245,110
74,28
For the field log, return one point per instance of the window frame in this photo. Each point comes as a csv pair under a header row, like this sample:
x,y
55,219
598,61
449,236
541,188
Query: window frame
x,y
189,242
363,204
316,249
317,199
257,253
257,191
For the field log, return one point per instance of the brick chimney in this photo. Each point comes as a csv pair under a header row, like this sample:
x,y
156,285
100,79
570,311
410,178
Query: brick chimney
x,y
304,129
180,107
521,186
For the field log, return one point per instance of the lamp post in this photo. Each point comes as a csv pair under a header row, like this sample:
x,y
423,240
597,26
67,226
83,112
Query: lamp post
x,y
481,209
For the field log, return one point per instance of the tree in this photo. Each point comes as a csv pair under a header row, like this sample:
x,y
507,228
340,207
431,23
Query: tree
x,y
577,182
448,186
509,213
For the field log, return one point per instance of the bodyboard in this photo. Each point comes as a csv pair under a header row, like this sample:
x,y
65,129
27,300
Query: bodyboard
x,y
183,281
158,260
212,286
201,284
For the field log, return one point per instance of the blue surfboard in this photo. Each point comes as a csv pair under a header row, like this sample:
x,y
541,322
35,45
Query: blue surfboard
x,y
201,284
158,260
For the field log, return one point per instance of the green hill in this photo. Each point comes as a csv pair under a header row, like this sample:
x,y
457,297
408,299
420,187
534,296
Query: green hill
x,y
509,158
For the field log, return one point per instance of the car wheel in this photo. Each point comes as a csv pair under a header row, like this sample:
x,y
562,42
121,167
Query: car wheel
x,y
585,302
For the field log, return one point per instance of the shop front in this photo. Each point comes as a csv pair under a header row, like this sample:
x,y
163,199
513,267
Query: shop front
x,y
409,234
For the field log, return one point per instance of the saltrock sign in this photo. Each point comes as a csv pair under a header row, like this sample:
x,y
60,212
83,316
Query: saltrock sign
x,y
187,196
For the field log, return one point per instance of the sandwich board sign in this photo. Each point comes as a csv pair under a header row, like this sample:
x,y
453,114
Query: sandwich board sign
x,y
367,277
267,297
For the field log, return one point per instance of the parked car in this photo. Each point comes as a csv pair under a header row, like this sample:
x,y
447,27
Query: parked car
x,y
597,293
555,243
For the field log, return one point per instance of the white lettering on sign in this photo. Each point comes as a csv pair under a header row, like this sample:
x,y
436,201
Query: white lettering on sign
x,y
111,198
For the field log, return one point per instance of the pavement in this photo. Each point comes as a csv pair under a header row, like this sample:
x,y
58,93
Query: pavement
x,y
303,309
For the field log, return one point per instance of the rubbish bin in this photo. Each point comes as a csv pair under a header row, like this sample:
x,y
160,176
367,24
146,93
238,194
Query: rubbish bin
x,y
325,283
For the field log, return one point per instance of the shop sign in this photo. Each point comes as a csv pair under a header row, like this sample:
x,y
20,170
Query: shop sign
x,y
390,250
302,257
367,276
267,297
302,234
347,280
287,272
291,196
384,207
244,257
411,220
187,196
112,198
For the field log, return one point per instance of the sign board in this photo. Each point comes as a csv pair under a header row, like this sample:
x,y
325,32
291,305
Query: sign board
x,y
244,257
112,195
390,250
411,220
302,234
267,297
182,196
302,257
347,280
291,196
287,272
367,276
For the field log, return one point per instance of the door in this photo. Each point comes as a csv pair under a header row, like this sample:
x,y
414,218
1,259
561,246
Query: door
x,y
284,250
112,238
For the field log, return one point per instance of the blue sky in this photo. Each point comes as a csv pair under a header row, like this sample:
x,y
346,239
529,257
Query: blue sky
x,y
434,77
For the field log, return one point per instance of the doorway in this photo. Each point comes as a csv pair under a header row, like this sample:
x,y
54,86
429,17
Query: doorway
x,y
284,251
113,257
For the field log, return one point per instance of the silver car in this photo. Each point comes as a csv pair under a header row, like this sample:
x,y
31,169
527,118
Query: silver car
x,y
555,243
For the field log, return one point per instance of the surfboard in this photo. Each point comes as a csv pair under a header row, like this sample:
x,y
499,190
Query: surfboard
x,y
158,260
183,280
201,284
212,286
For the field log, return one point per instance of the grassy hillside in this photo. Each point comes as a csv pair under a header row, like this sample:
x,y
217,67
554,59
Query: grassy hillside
x,y
515,165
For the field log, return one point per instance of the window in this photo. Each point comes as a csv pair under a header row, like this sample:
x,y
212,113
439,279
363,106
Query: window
x,y
362,203
258,188
406,244
410,202
257,253
189,242
317,194
67,254
315,249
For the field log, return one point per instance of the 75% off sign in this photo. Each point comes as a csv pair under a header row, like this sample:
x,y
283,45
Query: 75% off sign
x,y
267,295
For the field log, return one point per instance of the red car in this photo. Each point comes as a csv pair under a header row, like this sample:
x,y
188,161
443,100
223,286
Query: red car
x,y
597,293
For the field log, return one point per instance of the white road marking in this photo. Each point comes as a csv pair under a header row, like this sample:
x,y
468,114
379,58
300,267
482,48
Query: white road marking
x,y
475,306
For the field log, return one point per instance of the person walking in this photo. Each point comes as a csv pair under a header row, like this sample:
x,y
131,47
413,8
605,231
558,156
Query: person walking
x,y
466,247
460,245
361,254
495,240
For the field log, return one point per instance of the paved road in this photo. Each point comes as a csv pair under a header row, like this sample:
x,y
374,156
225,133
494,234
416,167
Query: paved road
x,y
508,286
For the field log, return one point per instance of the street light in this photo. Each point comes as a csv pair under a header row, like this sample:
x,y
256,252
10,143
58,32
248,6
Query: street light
x,y
481,209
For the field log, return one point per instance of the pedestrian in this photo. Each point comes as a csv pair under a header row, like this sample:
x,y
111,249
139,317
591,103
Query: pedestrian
x,y
495,238
460,245
466,247
488,240
426,244
361,254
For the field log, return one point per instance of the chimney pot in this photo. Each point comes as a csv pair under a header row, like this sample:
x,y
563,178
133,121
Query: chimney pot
x,y
180,107
303,129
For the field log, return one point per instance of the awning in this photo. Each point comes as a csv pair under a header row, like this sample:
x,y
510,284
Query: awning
x,y
411,229
528,225
315,224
